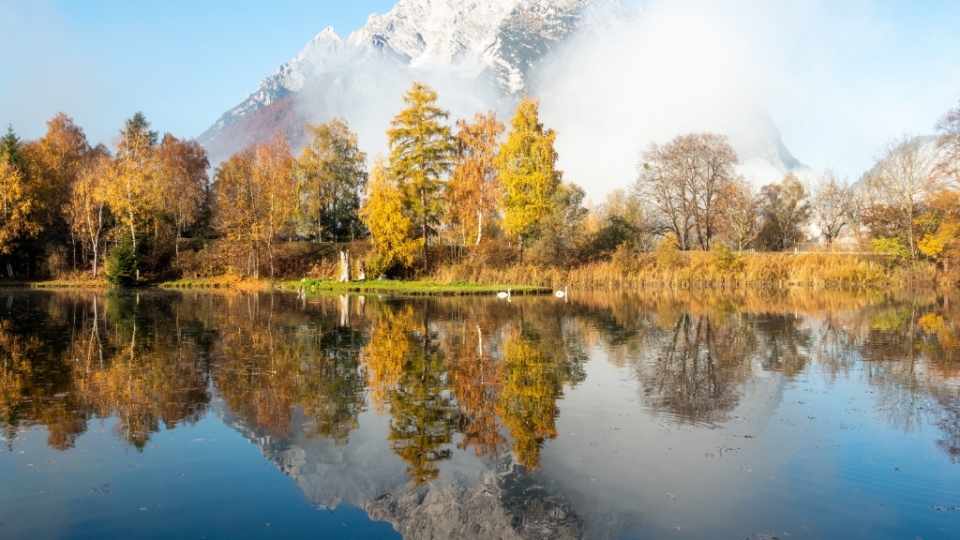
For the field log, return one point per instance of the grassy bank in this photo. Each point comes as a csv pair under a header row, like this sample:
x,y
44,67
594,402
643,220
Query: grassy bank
x,y
413,288
396,287
671,270
683,270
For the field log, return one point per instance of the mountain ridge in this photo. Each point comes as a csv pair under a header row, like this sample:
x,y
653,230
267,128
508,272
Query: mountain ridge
x,y
483,55
502,39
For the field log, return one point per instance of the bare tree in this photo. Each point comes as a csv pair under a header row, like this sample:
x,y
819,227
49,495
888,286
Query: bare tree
x,y
949,128
899,183
834,205
739,210
684,179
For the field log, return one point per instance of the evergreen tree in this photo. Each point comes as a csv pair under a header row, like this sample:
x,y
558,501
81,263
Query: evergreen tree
x,y
422,152
10,149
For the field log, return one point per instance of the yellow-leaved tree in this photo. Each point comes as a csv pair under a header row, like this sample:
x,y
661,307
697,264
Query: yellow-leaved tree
x,y
256,200
16,206
87,211
182,179
130,188
941,221
391,229
527,167
422,152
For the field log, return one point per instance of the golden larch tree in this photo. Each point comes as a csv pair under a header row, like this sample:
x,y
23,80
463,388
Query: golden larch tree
x,y
391,229
422,152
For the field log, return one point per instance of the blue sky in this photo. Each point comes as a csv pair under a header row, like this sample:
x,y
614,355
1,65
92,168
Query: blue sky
x,y
181,62
838,77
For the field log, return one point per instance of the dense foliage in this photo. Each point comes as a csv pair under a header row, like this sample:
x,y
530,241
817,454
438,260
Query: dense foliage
x,y
475,195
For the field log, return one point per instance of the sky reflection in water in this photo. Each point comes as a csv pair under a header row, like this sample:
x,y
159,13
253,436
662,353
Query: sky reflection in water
x,y
699,415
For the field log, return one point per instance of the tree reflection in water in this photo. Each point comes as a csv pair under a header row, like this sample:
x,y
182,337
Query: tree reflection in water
x,y
467,373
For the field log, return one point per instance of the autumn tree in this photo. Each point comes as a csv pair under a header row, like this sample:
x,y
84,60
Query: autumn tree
x,y
940,223
621,224
422,152
55,161
392,231
131,192
87,211
256,200
949,128
474,190
785,210
331,175
684,179
527,167
896,188
738,211
183,181
16,205
834,206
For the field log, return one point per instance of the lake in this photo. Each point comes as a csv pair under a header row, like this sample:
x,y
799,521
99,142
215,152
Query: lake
x,y
803,414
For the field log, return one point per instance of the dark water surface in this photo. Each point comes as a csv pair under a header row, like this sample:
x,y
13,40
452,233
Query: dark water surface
x,y
203,415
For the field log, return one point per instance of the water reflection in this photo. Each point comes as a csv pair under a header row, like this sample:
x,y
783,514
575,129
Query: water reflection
x,y
446,374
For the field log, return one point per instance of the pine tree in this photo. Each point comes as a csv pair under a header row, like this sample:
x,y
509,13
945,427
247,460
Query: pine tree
x,y
422,152
527,170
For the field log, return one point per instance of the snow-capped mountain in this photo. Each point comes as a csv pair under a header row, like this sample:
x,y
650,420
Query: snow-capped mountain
x,y
500,40
603,87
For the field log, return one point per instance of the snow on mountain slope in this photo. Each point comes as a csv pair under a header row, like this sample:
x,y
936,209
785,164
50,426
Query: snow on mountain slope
x,y
612,80
466,37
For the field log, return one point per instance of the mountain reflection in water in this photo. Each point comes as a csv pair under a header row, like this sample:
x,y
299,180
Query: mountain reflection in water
x,y
466,392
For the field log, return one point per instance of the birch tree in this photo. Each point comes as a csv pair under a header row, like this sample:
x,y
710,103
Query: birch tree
x,y
474,190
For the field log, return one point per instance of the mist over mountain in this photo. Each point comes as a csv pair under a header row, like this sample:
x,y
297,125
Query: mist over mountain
x,y
588,60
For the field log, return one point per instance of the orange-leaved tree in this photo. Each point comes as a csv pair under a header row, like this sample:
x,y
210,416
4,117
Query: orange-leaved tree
x,y
256,200
474,190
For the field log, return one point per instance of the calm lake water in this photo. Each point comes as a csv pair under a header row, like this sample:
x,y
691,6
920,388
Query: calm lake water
x,y
204,415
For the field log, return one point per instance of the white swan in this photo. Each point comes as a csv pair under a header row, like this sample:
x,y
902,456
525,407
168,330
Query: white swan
x,y
561,294
502,294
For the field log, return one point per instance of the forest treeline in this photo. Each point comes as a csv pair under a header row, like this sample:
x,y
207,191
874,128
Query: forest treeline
x,y
474,195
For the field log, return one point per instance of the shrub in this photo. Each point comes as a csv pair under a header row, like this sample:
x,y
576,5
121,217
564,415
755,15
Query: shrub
x,y
122,264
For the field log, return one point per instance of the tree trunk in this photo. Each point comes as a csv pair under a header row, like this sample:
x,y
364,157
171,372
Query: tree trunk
x,y
344,266
361,272
479,226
